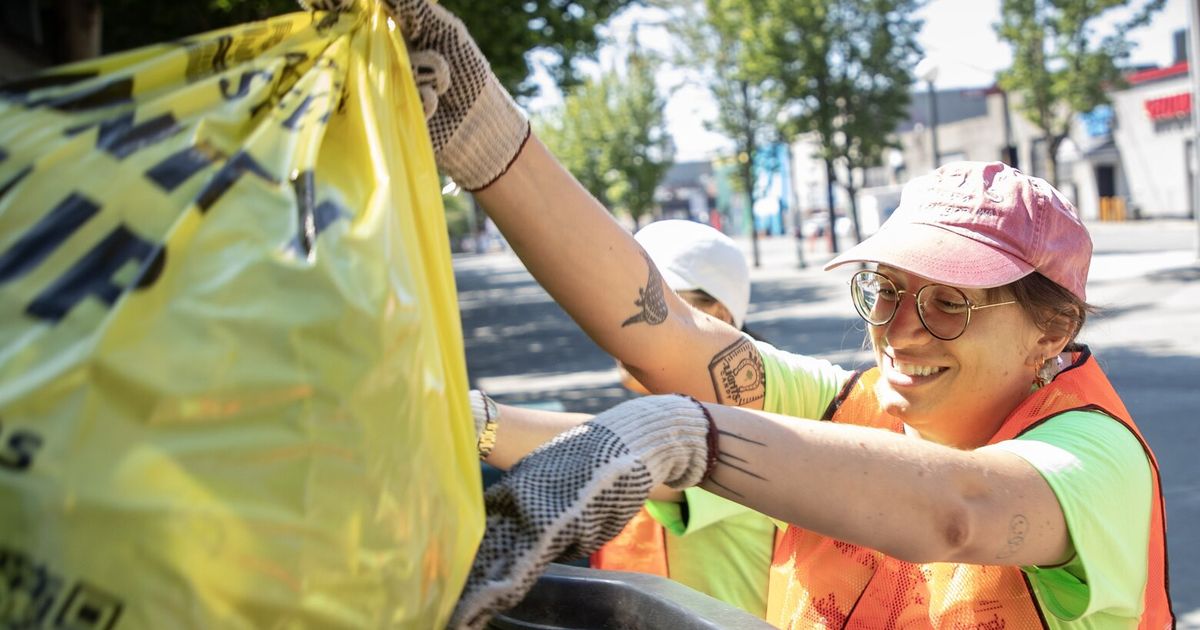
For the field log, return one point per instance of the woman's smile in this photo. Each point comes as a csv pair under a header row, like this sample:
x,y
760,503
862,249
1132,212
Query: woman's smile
x,y
907,373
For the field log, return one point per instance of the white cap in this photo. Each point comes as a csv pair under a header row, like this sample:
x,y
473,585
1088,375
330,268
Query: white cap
x,y
692,256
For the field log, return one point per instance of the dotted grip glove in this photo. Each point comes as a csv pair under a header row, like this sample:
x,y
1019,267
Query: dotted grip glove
x,y
574,493
476,128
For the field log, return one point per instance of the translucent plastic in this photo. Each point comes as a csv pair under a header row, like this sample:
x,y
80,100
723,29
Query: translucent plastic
x,y
232,388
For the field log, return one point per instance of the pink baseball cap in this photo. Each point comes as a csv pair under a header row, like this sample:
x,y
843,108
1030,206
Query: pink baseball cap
x,y
980,225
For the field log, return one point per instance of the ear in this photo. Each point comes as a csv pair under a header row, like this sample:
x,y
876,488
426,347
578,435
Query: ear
x,y
1047,344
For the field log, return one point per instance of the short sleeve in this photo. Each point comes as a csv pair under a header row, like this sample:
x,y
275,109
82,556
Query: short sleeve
x,y
798,385
703,509
1101,476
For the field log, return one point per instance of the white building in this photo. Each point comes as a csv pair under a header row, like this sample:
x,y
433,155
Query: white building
x,y
1153,139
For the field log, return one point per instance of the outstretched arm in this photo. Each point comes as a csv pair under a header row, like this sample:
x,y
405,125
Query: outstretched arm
x,y
520,431
910,498
603,279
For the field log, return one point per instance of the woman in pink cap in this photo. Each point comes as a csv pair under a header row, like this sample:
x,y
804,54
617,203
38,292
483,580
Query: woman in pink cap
x,y
982,474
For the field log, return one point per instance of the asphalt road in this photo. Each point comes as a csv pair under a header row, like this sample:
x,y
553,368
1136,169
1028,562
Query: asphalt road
x,y
523,349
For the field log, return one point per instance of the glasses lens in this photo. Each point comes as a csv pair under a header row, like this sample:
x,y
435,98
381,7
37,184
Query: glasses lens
x,y
874,296
944,310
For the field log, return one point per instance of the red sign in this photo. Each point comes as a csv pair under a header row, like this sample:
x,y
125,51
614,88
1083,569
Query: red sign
x,y
1168,107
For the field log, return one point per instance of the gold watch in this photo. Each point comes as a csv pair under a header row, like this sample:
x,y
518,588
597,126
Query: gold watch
x,y
491,419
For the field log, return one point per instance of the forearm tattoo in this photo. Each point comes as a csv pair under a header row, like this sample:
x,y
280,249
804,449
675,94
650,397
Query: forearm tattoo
x,y
1018,527
737,374
651,300
739,464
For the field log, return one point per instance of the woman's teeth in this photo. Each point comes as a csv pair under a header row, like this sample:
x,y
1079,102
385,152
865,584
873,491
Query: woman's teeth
x,y
916,370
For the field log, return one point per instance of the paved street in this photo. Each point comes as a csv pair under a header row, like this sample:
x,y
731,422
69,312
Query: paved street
x,y
523,349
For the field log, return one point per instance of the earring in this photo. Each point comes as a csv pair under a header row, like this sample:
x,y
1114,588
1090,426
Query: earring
x,y
1045,373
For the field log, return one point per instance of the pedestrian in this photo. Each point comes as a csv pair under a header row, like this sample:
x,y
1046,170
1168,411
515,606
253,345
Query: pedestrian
x,y
983,473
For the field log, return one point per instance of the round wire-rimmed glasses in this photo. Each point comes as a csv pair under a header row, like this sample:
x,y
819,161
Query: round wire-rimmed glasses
x,y
944,311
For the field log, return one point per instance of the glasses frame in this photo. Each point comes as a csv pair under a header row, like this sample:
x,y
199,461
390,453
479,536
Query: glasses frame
x,y
917,303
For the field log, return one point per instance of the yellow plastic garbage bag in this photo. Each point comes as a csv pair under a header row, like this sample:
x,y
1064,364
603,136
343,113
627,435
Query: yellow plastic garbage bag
x,y
232,388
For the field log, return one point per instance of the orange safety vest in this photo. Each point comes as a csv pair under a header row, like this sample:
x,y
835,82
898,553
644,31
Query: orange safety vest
x,y
820,582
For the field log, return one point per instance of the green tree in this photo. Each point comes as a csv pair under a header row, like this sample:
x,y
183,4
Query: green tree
x,y
844,67
611,134
1060,67
580,133
642,148
506,31
717,40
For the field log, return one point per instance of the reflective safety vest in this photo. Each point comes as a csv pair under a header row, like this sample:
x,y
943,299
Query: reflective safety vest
x,y
821,582
640,547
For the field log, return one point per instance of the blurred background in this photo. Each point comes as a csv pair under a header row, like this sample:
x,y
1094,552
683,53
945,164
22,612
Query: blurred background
x,y
801,118
792,125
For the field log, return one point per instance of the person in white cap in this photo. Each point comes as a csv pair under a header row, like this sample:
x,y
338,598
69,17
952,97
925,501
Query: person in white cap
x,y
703,267
982,474
709,543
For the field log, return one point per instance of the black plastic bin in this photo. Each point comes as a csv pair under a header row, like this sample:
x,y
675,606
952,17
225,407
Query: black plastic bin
x,y
568,597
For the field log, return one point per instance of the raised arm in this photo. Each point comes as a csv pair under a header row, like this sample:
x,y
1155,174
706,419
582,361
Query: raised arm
x,y
599,274
588,263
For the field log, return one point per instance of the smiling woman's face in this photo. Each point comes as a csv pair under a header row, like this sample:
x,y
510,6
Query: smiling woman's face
x,y
955,392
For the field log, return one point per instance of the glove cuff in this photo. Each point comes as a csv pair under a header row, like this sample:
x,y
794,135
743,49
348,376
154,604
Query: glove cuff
x,y
487,141
669,434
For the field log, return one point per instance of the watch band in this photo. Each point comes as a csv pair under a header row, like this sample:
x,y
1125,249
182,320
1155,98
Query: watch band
x,y
487,416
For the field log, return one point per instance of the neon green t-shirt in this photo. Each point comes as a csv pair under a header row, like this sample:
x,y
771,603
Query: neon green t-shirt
x,y
722,548
1095,467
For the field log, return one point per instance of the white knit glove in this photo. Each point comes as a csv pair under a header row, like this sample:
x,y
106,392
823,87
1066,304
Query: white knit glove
x,y
576,492
476,128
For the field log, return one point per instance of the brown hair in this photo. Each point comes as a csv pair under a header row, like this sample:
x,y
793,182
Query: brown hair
x,y
1054,309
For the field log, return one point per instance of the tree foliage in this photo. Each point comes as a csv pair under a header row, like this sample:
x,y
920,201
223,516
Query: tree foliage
x,y
845,73
611,134
1060,67
506,31
579,132
717,41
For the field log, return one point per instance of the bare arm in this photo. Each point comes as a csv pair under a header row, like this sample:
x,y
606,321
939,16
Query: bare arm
x,y
599,274
912,499
521,430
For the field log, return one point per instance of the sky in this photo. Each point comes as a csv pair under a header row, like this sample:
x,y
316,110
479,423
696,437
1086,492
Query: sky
x,y
957,35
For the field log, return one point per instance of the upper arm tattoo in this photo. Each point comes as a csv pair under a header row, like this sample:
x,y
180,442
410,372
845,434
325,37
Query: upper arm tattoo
x,y
737,373
651,299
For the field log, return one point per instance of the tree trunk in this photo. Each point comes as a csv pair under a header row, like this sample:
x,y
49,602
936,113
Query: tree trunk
x,y
748,179
81,21
748,169
794,205
1052,144
830,178
850,190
